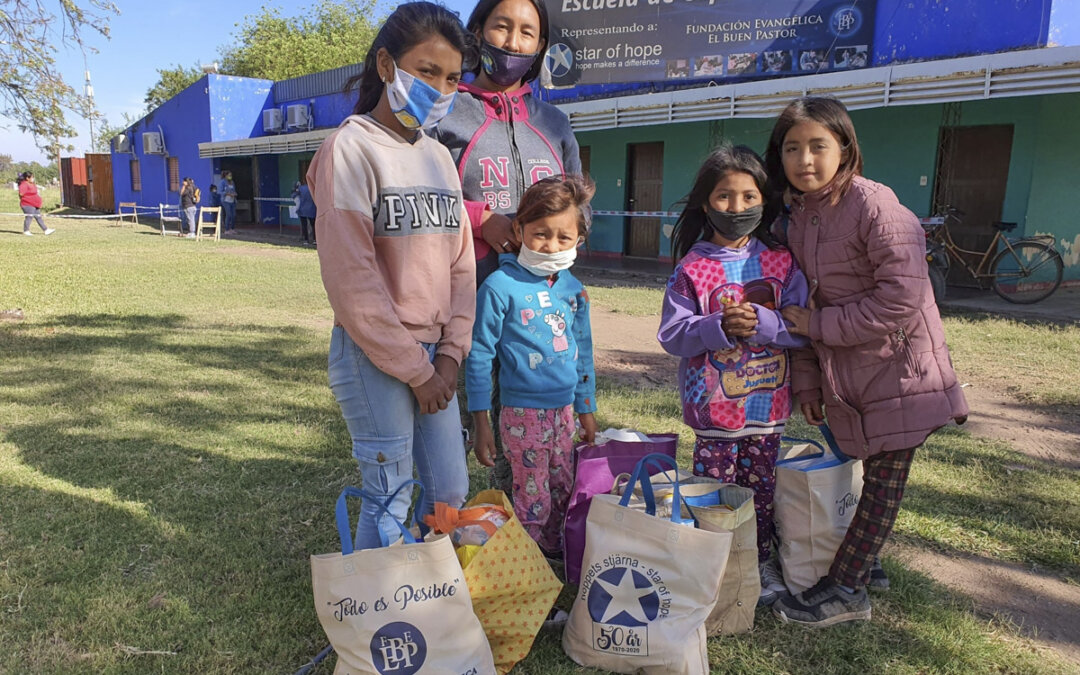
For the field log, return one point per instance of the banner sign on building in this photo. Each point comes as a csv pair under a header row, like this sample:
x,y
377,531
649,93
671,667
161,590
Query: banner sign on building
x,y
606,41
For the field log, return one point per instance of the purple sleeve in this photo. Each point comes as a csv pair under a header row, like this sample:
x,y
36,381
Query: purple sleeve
x,y
683,330
771,328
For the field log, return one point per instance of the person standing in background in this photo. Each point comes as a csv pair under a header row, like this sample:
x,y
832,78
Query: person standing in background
x,y
30,201
227,192
187,206
305,210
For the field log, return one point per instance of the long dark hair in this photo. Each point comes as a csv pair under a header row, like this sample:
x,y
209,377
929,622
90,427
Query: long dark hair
x,y
479,17
691,225
829,113
407,26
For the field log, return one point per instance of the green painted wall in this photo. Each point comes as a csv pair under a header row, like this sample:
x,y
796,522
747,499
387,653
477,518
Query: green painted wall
x,y
1055,179
899,146
288,174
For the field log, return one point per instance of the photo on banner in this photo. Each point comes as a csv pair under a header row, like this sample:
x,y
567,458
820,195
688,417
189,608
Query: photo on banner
x,y
617,41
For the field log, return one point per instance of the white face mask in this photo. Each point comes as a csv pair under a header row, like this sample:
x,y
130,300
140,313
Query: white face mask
x,y
415,103
546,264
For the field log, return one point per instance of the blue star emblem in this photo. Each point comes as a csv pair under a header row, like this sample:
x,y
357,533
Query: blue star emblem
x,y
559,60
624,597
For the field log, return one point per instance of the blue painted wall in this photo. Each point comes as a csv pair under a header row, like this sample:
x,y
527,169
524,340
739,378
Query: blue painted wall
x,y
184,121
236,105
938,29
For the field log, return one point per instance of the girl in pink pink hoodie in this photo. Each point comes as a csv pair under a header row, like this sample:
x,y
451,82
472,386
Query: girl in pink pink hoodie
x,y
879,369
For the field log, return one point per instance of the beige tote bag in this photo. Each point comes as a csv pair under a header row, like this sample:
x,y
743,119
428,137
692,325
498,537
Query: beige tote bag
x,y
645,589
403,608
816,496
724,507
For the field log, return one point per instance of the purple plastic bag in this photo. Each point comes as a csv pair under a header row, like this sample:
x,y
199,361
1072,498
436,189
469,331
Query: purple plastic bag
x,y
595,468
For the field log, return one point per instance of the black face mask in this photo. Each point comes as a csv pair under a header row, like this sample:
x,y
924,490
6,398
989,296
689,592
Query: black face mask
x,y
734,226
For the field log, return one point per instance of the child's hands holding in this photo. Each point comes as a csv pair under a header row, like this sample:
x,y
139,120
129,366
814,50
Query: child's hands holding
x,y
484,442
798,318
588,427
739,320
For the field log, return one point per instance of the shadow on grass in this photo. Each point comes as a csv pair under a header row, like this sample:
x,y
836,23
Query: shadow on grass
x,y
153,457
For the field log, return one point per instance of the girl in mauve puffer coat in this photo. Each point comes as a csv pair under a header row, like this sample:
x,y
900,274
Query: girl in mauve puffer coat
x,y
879,362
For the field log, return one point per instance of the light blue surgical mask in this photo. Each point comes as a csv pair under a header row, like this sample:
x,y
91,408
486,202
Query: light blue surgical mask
x,y
415,103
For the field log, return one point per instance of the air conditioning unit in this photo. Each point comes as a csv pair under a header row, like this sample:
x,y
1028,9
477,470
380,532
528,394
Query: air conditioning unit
x,y
272,119
297,116
151,143
122,143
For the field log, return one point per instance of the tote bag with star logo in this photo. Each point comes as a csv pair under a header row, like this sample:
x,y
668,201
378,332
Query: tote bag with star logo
x,y
648,584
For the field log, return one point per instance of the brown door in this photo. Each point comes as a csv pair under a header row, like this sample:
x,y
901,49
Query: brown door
x,y
646,182
975,185
585,153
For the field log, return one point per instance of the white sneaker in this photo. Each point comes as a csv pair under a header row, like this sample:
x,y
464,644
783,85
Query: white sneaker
x,y
189,236
48,232
28,233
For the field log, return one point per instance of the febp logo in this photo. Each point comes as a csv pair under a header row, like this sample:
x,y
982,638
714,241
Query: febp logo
x,y
398,648
559,60
845,22
622,602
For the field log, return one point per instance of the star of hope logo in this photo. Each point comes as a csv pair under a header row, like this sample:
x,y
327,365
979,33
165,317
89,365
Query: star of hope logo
x,y
624,597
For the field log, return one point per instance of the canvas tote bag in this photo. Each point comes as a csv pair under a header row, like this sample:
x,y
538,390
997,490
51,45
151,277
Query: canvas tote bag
x,y
402,608
645,593
725,507
817,491
595,469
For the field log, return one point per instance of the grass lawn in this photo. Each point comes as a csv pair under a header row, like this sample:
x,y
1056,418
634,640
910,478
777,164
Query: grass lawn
x,y
170,454
9,200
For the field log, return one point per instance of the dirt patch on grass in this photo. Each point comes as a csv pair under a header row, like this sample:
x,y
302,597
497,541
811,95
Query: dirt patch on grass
x,y
1047,434
1040,605
625,350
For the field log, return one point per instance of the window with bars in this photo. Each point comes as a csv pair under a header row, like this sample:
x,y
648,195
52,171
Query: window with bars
x,y
174,174
136,177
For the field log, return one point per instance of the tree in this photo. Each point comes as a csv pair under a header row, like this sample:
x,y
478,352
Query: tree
x,y
107,132
32,92
326,35
171,81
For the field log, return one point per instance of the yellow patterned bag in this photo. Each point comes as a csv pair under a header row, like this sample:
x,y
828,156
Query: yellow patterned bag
x,y
512,586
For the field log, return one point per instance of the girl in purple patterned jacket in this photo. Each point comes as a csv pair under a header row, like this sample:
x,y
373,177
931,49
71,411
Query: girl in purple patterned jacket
x,y
722,316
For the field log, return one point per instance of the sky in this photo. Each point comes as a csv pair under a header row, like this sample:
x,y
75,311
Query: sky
x,y
146,36
149,34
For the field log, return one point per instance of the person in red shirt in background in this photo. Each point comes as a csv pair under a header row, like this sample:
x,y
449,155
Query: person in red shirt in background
x,y
30,201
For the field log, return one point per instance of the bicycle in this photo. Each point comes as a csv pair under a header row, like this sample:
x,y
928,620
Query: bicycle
x,y
1022,271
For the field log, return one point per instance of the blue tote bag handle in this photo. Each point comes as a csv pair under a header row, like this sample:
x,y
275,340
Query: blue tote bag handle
x,y
341,514
641,476
830,440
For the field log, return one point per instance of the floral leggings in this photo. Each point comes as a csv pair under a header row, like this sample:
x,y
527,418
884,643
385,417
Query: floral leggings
x,y
749,462
540,446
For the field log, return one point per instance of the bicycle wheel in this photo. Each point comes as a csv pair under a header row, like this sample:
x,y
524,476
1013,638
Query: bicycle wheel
x,y
937,282
1030,274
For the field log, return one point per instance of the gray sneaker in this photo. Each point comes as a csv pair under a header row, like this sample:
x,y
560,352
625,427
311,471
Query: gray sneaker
x,y
879,581
822,605
772,584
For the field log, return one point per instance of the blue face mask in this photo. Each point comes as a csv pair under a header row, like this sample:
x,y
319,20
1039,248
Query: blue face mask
x,y
415,103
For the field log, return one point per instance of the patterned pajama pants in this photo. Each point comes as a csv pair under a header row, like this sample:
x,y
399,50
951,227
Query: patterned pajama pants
x,y
749,462
884,478
540,447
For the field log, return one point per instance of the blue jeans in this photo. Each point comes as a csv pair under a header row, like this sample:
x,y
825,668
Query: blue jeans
x,y
230,214
389,435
